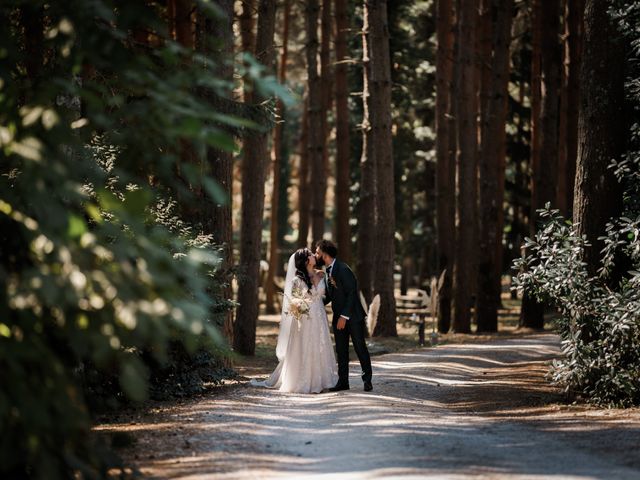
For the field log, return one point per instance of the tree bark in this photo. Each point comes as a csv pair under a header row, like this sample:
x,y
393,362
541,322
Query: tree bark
x,y
247,36
569,104
467,150
216,219
602,129
444,186
484,45
343,145
326,86
254,166
561,199
367,206
485,58
492,166
315,133
276,155
184,32
171,18
184,23
375,13
304,201
545,167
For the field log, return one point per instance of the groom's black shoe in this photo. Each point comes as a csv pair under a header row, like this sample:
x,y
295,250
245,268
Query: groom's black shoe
x,y
339,387
368,387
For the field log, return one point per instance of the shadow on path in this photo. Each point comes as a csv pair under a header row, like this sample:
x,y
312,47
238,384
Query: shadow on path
x,y
457,411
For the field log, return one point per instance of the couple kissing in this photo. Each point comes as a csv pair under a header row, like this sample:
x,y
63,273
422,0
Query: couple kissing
x,y
306,361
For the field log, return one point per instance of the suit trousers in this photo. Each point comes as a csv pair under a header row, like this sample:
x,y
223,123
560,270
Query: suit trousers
x,y
356,330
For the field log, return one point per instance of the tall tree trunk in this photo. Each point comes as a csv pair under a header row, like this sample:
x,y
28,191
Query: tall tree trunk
x,y
326,85
576,33
476,106
367,206
445,188
467,150
561,198
171,18
185,36
453,144
484,49
254,166
216,219
536,83
304,201
492,165
569,104
602,129
276,155
247,37
520,166
501,146
184,23
531,311
545,167
316,140
343,145
375,13
484,45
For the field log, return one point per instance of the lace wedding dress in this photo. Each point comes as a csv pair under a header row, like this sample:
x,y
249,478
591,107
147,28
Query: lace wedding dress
x,y
307,363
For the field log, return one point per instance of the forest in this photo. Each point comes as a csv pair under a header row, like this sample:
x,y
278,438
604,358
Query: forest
x,y
162,159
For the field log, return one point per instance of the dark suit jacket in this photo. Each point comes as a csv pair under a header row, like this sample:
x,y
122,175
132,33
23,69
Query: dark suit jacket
x,y
344,296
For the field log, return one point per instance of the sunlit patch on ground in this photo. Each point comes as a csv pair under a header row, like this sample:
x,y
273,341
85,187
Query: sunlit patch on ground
x,y
455,411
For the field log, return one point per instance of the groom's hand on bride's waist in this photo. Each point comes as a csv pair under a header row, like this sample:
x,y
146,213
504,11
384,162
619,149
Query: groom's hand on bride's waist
x,y
342,322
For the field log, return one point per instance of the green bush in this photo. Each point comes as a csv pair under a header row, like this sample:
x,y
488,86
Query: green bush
x,y
599,316
599,326
97,276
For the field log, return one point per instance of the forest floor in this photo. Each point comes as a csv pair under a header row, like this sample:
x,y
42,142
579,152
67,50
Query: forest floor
x,y
478,408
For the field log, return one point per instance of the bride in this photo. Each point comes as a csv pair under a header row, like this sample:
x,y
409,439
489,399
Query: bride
x,y
306,360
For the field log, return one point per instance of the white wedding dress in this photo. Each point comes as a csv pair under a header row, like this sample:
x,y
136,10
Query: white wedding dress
x,y
307,363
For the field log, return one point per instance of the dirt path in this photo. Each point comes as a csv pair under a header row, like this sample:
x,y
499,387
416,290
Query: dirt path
x,y
455,411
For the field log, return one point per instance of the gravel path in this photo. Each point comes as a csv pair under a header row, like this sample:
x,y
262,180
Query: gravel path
x,y
455,411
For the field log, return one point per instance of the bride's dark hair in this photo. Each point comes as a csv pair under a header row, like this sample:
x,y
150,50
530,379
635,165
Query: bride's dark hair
x,y
300,258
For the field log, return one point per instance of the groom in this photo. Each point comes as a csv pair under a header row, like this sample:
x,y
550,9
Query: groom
x,y
348,314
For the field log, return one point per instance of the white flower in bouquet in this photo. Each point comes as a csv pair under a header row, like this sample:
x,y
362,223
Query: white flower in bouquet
x,y
298,305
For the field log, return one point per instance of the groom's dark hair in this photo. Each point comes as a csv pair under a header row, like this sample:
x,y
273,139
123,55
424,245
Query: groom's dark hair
x,y
328,247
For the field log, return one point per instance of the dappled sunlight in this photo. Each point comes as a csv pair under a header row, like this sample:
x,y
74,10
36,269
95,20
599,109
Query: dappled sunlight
x,y
148,427
430,409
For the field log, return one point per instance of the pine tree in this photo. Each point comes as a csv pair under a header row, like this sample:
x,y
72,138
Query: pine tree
x,y
254,166
492,166
375,12
444,141
602,129
343,145
466,164
545,163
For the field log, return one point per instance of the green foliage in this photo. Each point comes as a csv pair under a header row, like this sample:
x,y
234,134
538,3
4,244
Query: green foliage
x,y
599,315
97,269
600,327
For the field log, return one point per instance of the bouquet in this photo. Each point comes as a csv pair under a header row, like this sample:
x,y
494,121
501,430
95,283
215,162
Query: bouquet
x,y
299,304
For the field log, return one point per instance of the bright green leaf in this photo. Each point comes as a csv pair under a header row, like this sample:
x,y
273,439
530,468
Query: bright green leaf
x,y
76,226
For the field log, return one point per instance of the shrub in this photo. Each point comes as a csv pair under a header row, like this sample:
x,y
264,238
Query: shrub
x,y
599,315
599,326
93,277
